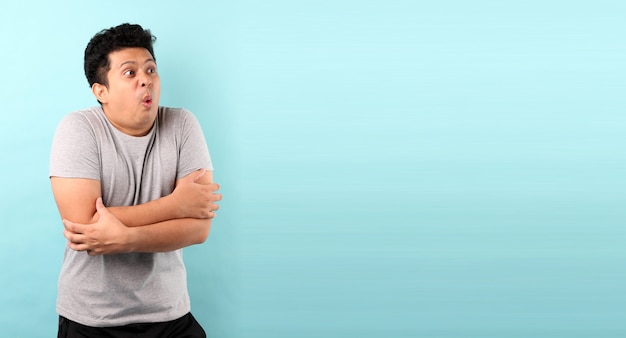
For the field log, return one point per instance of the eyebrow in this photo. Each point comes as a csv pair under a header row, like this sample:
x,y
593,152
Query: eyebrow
x,y
133,62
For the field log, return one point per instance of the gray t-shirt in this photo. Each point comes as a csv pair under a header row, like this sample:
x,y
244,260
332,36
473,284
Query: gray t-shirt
x,y
113,290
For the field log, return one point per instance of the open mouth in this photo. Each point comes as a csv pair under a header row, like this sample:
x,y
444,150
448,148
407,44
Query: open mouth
x,y
147,101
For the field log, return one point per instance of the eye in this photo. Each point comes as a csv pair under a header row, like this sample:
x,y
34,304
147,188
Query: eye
x,y
129,72
152,70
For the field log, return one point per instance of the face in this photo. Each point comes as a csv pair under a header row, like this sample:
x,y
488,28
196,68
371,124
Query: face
x,y
131,99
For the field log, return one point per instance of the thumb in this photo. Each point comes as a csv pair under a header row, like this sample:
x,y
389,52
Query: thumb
x,y
102,210
201,173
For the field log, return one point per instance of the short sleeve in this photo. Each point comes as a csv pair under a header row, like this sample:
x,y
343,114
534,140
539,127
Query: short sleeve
x,y
74,152
193,151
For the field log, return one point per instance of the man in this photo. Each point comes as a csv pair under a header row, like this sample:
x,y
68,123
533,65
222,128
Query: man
x,y
123,273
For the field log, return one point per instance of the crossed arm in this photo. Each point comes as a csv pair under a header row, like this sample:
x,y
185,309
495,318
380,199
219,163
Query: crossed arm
x,y
172,222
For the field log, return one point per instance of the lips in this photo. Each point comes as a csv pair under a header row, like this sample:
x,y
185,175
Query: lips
x,y
147,101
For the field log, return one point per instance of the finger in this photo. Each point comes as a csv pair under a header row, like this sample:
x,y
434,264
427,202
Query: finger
x,y
210,188
73,227
77,247
73,237
217,197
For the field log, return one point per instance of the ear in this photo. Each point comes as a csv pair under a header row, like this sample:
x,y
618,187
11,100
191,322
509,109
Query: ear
x,y
100,91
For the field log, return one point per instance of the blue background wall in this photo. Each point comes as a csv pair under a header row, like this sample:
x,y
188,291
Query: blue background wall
x,y
389,168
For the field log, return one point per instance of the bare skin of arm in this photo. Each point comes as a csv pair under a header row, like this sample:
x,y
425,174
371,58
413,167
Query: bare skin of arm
x,y
192,198
178,220
110,236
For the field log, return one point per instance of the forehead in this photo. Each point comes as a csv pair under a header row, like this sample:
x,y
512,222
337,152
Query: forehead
x,y
135,54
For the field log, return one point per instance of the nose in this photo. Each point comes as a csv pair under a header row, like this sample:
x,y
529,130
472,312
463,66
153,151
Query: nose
x,y
145,80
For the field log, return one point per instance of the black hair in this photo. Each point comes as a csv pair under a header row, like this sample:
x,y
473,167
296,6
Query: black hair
x,y
97,63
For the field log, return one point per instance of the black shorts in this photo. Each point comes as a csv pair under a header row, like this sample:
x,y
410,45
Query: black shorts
x,y
186,326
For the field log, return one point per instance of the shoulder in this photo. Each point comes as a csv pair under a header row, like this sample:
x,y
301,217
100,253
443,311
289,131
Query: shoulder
x,y
176,117
175,113
81,118
87,113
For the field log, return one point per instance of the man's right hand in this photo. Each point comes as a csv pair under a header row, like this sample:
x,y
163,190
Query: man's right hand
x,y
195,195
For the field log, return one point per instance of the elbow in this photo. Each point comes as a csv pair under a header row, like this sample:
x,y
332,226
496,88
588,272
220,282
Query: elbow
x,y
203,231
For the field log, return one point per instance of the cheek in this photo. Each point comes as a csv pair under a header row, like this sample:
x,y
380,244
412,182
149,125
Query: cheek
x,y
123,97
156,86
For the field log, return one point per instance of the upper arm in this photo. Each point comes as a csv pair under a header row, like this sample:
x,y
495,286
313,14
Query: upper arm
x,y
76,198
75,167
193,150
207,178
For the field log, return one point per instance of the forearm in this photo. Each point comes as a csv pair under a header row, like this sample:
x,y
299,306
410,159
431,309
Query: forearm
x,y
169,235
172,222
156,211
193,197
